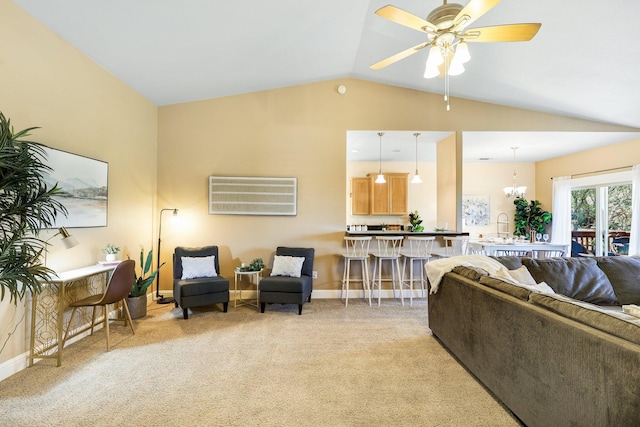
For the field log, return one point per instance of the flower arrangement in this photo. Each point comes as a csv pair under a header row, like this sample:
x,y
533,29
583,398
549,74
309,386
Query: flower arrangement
x,y
415,222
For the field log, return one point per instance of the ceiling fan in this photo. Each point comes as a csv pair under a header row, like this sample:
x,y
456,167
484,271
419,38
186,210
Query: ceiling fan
x,y
447,33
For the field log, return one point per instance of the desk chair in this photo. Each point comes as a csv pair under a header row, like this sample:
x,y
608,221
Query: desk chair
x,y
417,248
388,249
117,290
357,249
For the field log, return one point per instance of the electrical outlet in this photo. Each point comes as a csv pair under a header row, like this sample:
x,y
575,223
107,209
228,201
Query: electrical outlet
x,y
315,275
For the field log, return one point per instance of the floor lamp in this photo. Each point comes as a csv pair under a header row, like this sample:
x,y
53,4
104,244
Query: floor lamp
x,y
159,298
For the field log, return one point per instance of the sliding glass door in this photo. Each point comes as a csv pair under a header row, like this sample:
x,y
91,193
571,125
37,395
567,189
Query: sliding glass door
x,y
601,218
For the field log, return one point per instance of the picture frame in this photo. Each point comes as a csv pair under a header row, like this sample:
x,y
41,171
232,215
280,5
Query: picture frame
x,y
475,210
84,184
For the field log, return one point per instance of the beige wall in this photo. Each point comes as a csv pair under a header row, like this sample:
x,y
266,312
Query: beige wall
x,y
299,131
84,110
612,156
488,179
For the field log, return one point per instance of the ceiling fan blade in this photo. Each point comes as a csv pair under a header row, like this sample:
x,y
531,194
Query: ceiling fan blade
x,y
398,56
472,11
502,33
405,18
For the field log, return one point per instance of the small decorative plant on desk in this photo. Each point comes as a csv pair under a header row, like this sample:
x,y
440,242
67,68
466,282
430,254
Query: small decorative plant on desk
x,y
137,300
111,251
256,265
415,222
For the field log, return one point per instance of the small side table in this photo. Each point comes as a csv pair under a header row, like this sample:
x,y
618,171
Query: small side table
x,y
254,276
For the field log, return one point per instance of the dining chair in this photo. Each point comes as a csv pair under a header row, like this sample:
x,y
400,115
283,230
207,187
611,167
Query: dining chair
x,y
357,250
417,249
388,249
117,289
453,246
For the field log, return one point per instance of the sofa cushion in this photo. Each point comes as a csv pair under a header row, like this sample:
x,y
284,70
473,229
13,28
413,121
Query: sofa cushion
x,y
615,323
511,262
506,287
286,284
202,286
472,273
578,278
624,275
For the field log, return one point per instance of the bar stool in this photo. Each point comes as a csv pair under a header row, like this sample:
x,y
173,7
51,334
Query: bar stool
x,y
418,248
388,250
357,250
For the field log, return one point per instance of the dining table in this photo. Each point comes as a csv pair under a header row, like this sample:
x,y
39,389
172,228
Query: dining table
x,y
498,248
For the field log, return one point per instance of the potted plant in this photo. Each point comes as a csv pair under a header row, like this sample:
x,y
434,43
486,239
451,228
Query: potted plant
x,y
529,218
256,265
27,207
415,222
137,299
111,251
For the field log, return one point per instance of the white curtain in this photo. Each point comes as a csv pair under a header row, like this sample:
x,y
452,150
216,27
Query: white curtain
x,y
561,210
634,239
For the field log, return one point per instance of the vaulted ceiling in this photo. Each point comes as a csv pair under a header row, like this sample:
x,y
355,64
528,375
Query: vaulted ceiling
x,y
584,62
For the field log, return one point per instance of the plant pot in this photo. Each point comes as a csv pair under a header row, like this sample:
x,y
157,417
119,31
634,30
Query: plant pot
x,y
110,257
137,306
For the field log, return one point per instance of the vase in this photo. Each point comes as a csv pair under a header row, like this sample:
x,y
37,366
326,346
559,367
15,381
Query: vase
x,y
137,306
111,257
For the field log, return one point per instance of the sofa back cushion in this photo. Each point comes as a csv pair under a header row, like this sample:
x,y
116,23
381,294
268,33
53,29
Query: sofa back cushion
x,y
615,323
307,253
624,274
578,278
511,262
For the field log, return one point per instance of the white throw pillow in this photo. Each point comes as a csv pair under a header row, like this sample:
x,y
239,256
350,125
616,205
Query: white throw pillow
x,y
202,266
287,266
522,275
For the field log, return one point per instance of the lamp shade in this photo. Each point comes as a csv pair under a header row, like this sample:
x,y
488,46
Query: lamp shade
x,y
68,240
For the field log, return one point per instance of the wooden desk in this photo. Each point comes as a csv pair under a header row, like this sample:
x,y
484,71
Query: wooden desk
x,y
48,308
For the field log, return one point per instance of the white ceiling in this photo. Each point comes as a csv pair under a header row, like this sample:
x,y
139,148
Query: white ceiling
x,y
584,62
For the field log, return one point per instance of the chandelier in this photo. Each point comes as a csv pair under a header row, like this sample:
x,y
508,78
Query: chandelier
x,y
514,190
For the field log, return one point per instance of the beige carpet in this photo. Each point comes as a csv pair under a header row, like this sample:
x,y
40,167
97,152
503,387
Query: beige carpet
x,y
332,366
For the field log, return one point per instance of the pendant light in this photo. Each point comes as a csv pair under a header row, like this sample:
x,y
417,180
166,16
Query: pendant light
x,y
514,190
416,178
380,179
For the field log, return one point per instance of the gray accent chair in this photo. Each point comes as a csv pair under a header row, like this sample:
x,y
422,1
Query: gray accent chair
x,y
289,290
199,291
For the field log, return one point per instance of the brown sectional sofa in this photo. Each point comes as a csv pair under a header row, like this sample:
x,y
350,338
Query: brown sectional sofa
x,y
552,359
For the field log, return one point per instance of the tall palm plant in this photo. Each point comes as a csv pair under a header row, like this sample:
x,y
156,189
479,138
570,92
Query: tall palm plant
x,y
26,207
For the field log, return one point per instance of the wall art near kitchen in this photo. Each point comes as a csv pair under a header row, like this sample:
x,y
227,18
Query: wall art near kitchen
x,y
84,188
475,210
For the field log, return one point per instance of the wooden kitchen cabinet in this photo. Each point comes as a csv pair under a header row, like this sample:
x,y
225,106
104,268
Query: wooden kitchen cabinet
x,y
389,198
360,196
369,198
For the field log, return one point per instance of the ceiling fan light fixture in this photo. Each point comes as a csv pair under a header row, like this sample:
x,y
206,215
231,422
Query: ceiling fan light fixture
x,y
456,68
434,60
462,53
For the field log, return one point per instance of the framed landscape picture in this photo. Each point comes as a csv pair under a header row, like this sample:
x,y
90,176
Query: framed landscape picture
x,y
84,184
